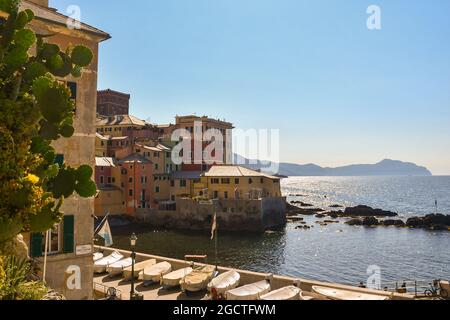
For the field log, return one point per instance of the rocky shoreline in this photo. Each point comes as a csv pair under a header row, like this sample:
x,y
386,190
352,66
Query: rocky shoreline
x,y
367,216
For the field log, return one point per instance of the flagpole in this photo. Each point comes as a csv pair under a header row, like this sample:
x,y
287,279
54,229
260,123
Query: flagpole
x,y
45,256
216,234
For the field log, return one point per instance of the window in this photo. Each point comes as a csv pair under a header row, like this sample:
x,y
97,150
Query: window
x,y
215,181
130,192
261,180
225,181
168,155
156,154
53,241
156,166
73,92
182,183
102,168
109,180
216,194
130,179
157,189
250,181
225,195
102,179
236,181
172,183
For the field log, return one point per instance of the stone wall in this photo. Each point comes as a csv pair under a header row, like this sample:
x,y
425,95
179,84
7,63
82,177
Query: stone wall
x,y
232,215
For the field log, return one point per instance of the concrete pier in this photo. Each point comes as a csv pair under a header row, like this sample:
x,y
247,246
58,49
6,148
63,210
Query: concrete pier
x,y
155,292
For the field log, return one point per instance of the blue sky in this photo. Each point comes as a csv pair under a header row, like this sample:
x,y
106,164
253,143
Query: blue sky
x,y
338,92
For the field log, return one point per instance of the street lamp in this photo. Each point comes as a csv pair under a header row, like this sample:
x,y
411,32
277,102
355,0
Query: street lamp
x,y
133,294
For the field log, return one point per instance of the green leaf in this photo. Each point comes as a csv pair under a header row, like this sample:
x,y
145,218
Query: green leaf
x,y
55,62
82,56
44,220
48,131
20,199
67,131
62,69
30,14
49,50
24,38
64,184
16,58
84,173
86,189
9,6
76,71
54,104
22,20
40,86
34,71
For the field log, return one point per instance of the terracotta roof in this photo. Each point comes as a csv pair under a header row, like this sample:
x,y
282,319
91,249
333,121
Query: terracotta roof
x,y
104,162
235,171
51,15
120,120
134,158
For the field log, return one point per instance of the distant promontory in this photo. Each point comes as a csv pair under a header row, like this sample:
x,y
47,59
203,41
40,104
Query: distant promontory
x,y
383,168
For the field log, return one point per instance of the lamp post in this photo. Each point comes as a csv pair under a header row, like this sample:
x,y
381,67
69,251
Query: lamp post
x,y
133,294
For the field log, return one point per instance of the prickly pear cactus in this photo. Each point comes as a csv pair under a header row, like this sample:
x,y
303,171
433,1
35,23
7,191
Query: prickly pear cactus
x,y
35,110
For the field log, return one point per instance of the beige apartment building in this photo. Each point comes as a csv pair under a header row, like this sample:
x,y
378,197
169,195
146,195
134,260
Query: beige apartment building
x,y
69,263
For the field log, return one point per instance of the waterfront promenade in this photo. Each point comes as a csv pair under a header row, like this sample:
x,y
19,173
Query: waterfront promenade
x,y
156,292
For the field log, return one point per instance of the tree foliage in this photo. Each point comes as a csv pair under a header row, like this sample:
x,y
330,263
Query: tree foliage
x,y
35,110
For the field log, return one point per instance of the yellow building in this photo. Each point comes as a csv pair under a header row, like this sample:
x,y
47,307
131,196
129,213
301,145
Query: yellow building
x,y
235,182
70,249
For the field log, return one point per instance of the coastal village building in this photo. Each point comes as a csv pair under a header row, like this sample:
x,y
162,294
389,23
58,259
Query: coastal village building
x,y
112,103
235,182
71,242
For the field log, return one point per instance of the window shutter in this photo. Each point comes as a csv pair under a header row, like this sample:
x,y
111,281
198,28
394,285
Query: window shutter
x,y
68,236
36,245
59,159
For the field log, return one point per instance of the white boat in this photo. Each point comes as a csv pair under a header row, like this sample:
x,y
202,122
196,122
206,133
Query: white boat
x,y
306,296
101,265
155,272
249,292
339,294
197,280
173,279
286,293
97,256
223,283
138,267
117,268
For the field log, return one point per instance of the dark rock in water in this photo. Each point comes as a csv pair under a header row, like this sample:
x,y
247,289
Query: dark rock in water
x,y
439,227
330,221
365,211
415,222
320,216
335,206
370,221
294,210
431,221
335,215
393,223
355,222
302,204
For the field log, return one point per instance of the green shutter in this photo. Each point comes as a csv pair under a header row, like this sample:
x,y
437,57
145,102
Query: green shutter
x,y
68,237
59,159
36,245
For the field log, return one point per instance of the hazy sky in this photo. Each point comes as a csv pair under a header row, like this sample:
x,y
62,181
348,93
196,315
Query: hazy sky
x,y
338,92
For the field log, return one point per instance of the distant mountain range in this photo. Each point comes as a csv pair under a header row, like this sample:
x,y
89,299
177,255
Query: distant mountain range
x,y
384,168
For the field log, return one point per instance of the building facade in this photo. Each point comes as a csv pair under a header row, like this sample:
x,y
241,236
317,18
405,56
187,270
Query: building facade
x,y
112,103
71,245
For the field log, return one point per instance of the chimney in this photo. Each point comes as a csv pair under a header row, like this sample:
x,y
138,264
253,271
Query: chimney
x,y
43,3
